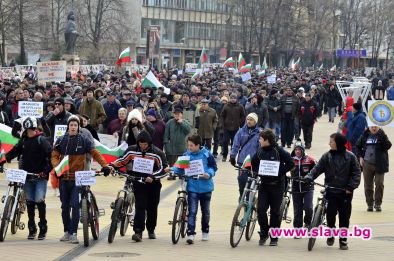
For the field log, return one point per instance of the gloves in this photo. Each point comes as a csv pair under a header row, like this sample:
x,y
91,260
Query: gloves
x,y
232,161
106,171
307,179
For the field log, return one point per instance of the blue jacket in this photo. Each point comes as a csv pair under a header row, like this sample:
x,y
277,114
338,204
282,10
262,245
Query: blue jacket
x,y
356,127
249,147
390,93
200,185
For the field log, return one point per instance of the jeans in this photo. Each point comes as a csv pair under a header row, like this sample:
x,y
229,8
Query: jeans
x,y
228,135
205,201
331,113
371,177
269,197
275,126
302,202
242,180
287,130
340,203
35,190
69,196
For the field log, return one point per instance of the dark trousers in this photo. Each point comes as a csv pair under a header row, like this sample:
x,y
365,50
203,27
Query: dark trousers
x,y
307,130
287,130
147,198
69,196
207,143
216,137
340,203
205,201
269,197
228,135
371,177
302,202
242,180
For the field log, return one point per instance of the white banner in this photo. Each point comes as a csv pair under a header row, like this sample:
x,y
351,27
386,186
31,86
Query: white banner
x,y
60,130
142,165
85,178
196,168
30,109
381,113
54,71
269,168
16,175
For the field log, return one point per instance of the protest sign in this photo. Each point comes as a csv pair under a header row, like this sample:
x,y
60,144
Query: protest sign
x,y
30,109
54,71
269,168
85,178
60,130
196,168
142,165
380,113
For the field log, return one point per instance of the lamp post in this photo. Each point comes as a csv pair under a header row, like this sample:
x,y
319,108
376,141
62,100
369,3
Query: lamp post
x,y
358,55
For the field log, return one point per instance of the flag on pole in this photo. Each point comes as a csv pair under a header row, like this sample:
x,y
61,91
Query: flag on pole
x,y
203,58
247,162
183,162
124,57
229,62
321,67
110,155
2,156
264,66
7,140
245,68
63,166
241,61
261,73
334,68
151,81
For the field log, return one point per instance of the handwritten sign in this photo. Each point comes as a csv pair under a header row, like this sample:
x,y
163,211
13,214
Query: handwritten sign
x,y
60,130
85,178
30,109
196,168
271,79
16,175
54,71
142,165
246,77
269,168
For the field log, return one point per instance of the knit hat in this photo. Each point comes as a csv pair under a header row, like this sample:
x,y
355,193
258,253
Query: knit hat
x,y
253,116
151,112
134,114
144,136
298,145
73,118
60,100
357,106
233,95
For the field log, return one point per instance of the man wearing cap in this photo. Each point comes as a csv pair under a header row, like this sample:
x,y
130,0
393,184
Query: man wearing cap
x,y
206,123
93,109
58,116
111,108
126,97
261,111
165,107
356,126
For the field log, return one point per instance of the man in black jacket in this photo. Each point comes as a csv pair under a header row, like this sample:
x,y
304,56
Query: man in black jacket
x,y
270,157
308,115
59,116
342,176
372,149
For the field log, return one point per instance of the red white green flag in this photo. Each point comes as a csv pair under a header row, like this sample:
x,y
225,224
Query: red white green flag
x,y
7,140
110,155
124,57
63,166
246,68
183,162
241,61
229,62
247,162
203,58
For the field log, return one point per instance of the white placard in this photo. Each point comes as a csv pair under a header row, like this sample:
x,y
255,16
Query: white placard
x,y
54,71
143,165
85,178
269,168
271,78
59,131
30,109
16,175
108,140
196,168
246,77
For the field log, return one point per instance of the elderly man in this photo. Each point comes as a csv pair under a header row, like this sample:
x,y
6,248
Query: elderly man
x,y
93,109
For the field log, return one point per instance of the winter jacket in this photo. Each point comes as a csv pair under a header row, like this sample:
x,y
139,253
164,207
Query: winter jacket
x,y
189,112
160,128
302,166
246,142
206,123
332,98
166,110
209,163
233,116
274,116
111,110
261,111
356,127
52,120
175,137
217,106
294,107
308,113
94,110
341,169
381,150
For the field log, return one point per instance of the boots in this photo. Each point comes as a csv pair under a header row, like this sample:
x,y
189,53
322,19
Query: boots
x,y
31,223
43,231
43,222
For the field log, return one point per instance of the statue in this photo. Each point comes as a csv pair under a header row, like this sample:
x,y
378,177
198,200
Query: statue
x,y
71,34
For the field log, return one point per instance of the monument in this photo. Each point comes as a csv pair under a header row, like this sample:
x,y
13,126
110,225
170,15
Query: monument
x,y
70,37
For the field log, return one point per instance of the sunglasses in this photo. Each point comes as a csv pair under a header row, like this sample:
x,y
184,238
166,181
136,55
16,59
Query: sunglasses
x,y
58,103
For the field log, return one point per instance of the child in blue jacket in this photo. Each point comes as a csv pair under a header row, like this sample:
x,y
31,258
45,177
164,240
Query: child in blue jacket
x,y
198,189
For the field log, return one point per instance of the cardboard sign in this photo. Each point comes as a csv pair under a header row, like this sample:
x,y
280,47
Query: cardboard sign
x,y
142,165
30,109
85,178
16,175
54,71
269,168
271,79
60,130
246,77
196,168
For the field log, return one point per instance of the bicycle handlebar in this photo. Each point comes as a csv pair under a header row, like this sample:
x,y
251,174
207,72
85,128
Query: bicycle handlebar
x,y
315,183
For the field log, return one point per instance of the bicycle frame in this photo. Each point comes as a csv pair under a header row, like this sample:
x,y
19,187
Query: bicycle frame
x,y
18,188
84,192
249,197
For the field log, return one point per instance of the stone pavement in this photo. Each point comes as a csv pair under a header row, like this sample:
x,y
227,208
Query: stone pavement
x,y
224,202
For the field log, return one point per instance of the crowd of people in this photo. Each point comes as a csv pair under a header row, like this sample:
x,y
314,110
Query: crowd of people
x,y
216,116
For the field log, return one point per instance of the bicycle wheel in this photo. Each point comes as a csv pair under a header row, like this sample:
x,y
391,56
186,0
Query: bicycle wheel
x,y
128,214
237,228
15,222
177,220
184,220
5,220
317,217
85,221
94,218
251,222
282,209
115,218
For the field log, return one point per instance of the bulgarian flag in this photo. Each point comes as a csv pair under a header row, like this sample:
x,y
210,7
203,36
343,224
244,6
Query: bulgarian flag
x,y
261,73
264,66
245,68
110,155
183,162
247,162
151,81
124,57
241,61
63,166
229,62
7,140
203,58
334,68
321,67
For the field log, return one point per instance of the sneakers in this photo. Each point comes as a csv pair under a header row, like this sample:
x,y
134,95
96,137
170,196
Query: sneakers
x,y
190,239
152,235
137,237
343,245
32,233
43,233
74,239
378,208
274,242
370,209
330,241
263,240
65,238
205,236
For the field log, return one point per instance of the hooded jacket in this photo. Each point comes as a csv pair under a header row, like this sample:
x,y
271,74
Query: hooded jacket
x,y
302,166
246,142
356,127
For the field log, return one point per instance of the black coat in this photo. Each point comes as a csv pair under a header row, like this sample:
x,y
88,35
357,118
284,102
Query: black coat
x,y
381,150
332,98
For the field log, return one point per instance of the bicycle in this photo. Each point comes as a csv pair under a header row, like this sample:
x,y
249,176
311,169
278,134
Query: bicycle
x,y
123,207
245,216
179,220
14,202
284,206
89,211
